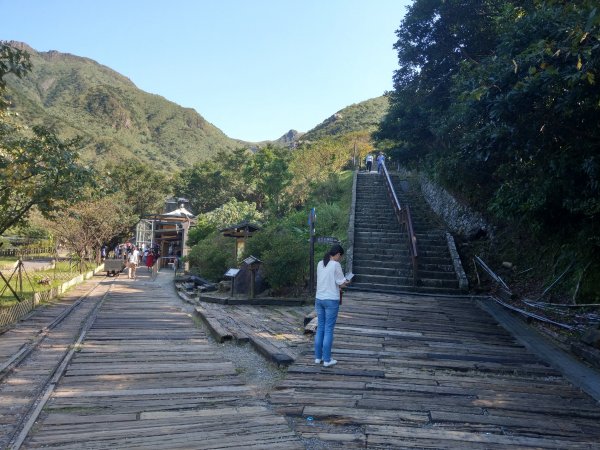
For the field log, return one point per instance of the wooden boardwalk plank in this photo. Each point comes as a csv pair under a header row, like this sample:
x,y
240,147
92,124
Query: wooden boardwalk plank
x,y
146,377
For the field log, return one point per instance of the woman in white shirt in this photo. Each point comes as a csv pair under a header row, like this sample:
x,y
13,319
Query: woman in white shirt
x,y
330,278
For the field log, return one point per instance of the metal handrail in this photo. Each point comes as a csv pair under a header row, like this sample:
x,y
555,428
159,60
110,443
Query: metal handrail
x,y
404,219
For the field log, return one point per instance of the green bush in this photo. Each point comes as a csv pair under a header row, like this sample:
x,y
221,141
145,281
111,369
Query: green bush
x,y
284,252
211,257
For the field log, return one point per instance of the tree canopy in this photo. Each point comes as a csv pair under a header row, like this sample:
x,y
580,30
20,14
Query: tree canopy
x,y
499,101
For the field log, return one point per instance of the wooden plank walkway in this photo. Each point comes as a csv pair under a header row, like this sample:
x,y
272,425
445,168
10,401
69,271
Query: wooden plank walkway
x,y
145,377
413,372
276,332
426,372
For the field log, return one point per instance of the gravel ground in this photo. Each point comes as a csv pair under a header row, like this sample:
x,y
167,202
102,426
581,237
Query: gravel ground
x,y
249,364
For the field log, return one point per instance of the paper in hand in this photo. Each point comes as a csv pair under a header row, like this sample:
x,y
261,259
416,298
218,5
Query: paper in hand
x,y
349,276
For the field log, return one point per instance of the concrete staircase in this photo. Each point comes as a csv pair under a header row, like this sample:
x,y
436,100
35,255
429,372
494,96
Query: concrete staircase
x,y
381,258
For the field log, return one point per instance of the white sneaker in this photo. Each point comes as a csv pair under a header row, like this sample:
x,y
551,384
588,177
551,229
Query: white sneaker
x,y
332,362
317,361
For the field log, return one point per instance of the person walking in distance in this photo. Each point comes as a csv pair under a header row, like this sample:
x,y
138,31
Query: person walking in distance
x,y
133,262
150,260
369,161
330,278
380,162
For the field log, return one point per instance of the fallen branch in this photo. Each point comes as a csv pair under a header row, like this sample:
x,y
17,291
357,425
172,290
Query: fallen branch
x,y
556,281
532,315
493,275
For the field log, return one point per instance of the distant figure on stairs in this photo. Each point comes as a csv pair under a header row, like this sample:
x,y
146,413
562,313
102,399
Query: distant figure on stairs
x,y
380,161
369,161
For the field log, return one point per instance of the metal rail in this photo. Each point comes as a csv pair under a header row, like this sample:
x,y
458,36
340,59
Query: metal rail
x,y
26,422
405,220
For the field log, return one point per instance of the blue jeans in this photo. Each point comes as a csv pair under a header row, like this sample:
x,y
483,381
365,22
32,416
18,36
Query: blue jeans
x,y
327,312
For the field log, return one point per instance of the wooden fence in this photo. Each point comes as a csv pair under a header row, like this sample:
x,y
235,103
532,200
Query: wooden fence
x,y
15,252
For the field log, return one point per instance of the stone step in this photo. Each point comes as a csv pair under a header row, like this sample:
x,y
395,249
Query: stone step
x,y
377,247
406,280
367,242
394,236
423,266
381,259
435,258
391,289
368,253
375,261
388,217
360,271
377,227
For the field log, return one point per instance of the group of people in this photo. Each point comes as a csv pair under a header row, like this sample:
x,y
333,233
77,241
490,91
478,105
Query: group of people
x,y
380,161
134,256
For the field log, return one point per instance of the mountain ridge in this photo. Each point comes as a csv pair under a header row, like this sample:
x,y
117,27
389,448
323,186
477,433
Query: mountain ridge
x,y
76,95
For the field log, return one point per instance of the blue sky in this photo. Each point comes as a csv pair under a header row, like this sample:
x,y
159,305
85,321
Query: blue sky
x,y
253,68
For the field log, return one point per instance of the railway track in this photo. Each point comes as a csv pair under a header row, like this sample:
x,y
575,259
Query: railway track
x,y
29,375
128,368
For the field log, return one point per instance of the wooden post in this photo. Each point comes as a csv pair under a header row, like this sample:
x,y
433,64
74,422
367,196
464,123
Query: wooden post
x,y
20,276
311,225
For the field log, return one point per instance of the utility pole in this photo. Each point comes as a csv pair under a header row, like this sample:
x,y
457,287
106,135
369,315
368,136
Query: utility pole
x,y
312,218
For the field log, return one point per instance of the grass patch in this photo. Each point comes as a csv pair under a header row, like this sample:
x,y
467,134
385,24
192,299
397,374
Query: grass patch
x,y
30,281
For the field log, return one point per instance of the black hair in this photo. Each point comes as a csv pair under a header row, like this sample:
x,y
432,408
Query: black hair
x,y
334,250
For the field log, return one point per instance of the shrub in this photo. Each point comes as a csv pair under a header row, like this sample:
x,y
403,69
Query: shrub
x,y
284,252
212,256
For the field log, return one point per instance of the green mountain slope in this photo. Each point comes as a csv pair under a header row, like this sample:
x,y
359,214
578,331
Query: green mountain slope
x,y
78,96
357,117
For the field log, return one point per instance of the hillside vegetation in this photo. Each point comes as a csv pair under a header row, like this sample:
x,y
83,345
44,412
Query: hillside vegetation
x,y
119,122
364,116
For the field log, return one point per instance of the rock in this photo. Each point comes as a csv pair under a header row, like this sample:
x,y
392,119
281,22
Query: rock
x,y
591,337
507,264
225,286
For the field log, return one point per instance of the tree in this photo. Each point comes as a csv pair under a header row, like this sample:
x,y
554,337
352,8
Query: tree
x,y
269,169
39,170
12,61
528,117
85,226
144,188
229,213
209,184
36,167
434,39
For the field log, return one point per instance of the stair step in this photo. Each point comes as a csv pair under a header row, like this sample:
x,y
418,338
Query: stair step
x,y
358,265
381,255
401,289
362,270
406,280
